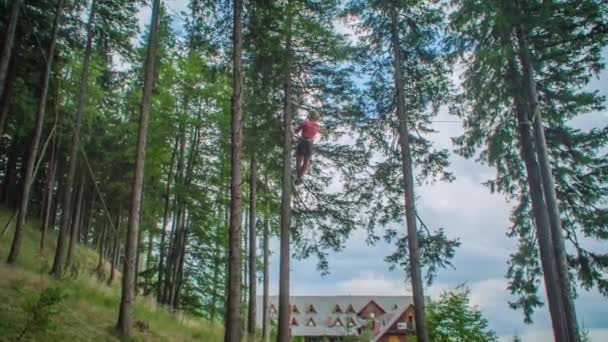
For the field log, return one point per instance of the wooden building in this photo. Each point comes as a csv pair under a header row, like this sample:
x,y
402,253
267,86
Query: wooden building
x,y
319,318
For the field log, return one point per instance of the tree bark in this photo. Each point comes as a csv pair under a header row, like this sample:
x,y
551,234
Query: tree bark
x,y
163,233
115,248
541,217
10,174
75,231
102,246
265,301
126,304
91,215
548,187
6,97
284,331
173,256
52,167
139,246
233,323
148,280
245,286
177,285
216,270
182,232
58,261
177,210
408,180
28,178
9,38
253,179
48,202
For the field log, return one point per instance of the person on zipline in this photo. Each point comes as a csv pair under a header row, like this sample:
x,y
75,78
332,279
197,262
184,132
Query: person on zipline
x,y
310,128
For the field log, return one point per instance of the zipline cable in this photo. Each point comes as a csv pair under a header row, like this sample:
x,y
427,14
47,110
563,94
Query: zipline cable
x,y
103,201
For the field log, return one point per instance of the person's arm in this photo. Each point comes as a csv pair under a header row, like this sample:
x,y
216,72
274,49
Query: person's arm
x,y
299,128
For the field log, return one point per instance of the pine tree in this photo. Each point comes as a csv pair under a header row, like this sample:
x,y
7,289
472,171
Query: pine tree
x,y
453,318
33,153
406,89
564,43
125,314
7,46
233,316
59,260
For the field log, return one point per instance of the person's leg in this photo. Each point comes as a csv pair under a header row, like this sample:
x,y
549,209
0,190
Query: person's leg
x,y
299,159
306,158
304,167
299,156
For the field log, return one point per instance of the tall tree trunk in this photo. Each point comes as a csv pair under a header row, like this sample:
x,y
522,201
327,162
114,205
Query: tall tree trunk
x,y
408,180
172,257
233,323
548,187
102,246
28,178
75,231
216,270
284,332
6,97
51,175
539,208
175,254
10,173
180,266
265,301
168,265
178,254
91,215
115,248
163,232
139,246
9,38
148,280
58,262
253,179
81,220
126,304
245,285
177,210
48,201
226,254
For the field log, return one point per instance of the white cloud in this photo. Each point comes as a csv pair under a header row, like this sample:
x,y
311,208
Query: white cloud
x,y
372,283
542,335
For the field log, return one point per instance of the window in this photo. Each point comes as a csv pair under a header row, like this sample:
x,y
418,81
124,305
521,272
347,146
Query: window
x,y
311,323
294,309
338,323
294,321
337,309
351,323
273,309
311,309
350,309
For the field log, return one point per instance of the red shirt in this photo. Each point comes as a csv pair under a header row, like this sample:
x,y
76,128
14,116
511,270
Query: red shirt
x,y
309,129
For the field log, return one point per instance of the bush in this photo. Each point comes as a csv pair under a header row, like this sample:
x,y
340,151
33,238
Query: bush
x,y
39,311
453,319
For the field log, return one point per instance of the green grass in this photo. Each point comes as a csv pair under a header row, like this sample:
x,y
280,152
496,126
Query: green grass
x,y
89,309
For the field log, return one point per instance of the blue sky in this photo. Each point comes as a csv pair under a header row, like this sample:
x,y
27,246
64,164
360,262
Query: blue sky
x,y
466,209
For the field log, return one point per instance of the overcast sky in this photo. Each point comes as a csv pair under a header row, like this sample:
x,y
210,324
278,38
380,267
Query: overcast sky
x,y
466,209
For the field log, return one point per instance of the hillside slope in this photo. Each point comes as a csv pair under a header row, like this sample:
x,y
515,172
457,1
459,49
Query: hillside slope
x,y
87,309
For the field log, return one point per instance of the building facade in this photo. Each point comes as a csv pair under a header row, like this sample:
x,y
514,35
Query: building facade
x,y
320,318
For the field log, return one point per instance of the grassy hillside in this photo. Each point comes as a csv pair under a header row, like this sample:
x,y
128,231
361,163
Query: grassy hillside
x,y
87,310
